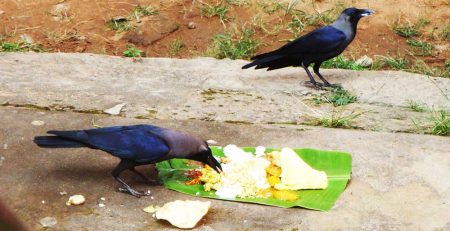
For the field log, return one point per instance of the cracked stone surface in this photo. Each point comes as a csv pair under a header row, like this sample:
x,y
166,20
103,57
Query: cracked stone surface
x,y
399,180
210,89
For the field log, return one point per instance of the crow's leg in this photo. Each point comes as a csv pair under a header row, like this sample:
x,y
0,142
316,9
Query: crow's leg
x,y
311,78
143,177
124,165
325,82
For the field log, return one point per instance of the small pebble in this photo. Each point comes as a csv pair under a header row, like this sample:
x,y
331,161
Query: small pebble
x,y
5,146
364,61
43,202
102,198
211,142
63,193
152,197
119,18
37,122
48,222
192,25
101,205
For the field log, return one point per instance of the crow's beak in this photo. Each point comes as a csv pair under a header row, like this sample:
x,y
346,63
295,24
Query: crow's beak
x,y
213,163
366,12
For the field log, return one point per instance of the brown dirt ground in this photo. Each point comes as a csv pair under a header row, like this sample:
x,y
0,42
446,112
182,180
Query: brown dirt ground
x,y
80,25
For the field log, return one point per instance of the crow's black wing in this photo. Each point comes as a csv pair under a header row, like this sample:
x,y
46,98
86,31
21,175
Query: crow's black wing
x,y
321,41
142,143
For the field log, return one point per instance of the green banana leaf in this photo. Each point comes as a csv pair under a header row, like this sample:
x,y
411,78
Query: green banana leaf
x,y
337,165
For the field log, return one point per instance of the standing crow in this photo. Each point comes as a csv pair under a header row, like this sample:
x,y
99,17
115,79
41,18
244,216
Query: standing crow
x,y
134,145
315,47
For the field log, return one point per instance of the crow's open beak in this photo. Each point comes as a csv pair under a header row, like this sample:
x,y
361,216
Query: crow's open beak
x,y
213,163
366,12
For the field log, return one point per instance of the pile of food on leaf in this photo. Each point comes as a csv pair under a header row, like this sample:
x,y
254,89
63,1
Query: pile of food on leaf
x,y
277,174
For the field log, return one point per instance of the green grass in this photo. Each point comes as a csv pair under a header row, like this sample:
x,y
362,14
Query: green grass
x,y
421,67
394,63
341,62
440,123
132,51
414,106
327,16
120,25
215,10
296,25
447,65
420,48
238,2
406,29
289,7
175,47
336,119
445,33
337,96
140,11
239,45
11,47
20,47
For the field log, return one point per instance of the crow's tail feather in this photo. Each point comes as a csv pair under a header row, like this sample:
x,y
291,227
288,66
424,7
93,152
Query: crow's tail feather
x,y
265,62
56,142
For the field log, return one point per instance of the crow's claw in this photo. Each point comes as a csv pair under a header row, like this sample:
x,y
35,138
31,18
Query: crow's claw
x,y
134,192
332,85
316,85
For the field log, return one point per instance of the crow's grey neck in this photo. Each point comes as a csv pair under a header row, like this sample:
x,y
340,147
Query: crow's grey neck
x,y
343,24
181,145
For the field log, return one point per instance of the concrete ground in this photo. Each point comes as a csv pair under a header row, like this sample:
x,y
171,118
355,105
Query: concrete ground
x,y
399,181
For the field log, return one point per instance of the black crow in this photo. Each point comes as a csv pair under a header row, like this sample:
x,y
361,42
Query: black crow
x,y
315,47
135,145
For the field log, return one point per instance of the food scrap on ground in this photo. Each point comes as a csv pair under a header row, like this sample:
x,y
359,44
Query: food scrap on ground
x,y
76,200
151,209
183,214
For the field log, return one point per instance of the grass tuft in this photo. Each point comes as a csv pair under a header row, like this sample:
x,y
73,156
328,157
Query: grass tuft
x,y
132,51
238,2
394,63
175,47
120,25
239,45
420,48
140,11
414,106
341,62
337,96
445,33
336,119
440,123
296,25
406,30
215,10
20,47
